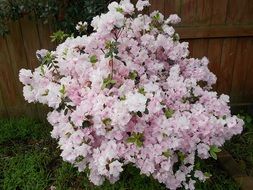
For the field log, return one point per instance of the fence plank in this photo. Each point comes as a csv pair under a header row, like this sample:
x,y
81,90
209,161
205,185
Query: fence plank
x,y
236,11
44,32
17,61
3,110
219,12
157,5
214,56
172,7
199,48
204,11
215,31
240,69
31,40
227,65
188,12
7,83
31,44
248,87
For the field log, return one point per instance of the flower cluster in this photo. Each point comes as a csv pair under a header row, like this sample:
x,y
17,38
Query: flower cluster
x,y
129,93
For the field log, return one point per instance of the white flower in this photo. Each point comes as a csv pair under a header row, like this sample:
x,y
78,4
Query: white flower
x,y
115,168
113,6
25,76
40,54
173,19
81,26
135,102
127,6
141,4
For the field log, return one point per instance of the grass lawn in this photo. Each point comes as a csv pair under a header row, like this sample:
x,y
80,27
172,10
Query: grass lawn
x,y
29,160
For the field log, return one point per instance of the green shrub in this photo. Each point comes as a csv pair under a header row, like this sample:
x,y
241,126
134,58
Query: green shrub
x,y
65,13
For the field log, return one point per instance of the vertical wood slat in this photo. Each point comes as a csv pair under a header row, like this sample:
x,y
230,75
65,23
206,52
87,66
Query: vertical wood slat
x,y
219,12
31,40
198,48
31,45
248,87
214,56
240,69
227,65
44,32
188,11
237,11
203,12
3,57
3,111
157,6
7,84
17,61
172,7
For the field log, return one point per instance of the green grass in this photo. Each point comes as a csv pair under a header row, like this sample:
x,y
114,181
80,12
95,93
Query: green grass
x,y
29,160
21,129
26,171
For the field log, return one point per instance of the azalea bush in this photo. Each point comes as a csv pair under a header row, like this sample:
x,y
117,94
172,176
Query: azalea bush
x,y
129,93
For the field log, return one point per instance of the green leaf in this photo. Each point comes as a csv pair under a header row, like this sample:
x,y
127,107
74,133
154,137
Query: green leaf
x,y
42,70
207,174
112,46
167,154
213,155
122,98
181,156
63,90
142,91
79,158
86,124
197,165
48,59
108,82
120,10
131,140
107,121
65,52
157,16
176,37
248,119
137,139
213,151
58,36
133,75
139,143
93,59
168,112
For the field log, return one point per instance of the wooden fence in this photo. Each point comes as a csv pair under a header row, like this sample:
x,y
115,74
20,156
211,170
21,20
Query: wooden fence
x,y
222,30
